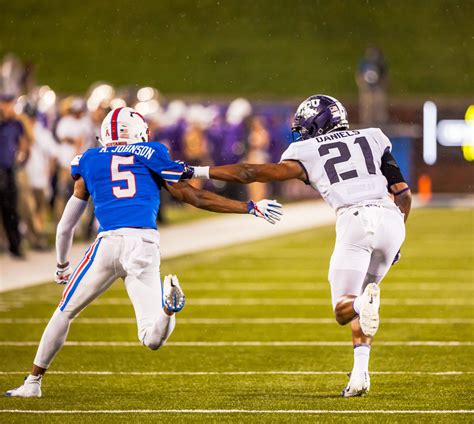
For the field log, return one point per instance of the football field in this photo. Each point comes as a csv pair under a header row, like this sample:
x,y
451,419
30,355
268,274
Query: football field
x,y
257,340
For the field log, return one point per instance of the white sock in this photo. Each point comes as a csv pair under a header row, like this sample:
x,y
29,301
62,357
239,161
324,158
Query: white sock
x,y
53,339
357,304
32,378
361,358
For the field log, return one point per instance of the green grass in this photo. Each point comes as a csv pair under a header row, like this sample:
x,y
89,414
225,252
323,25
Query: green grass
x,y
256,48
437,265
180,214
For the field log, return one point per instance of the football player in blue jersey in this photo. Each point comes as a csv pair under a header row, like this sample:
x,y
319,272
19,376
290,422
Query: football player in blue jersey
x,y
124,178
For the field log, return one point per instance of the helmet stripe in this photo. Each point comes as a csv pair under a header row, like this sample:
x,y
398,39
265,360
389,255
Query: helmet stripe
x,y
114,124
139,114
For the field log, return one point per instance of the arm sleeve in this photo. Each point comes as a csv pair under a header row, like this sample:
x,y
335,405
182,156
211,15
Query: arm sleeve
x,y
391,170
161,164
76,167
73,211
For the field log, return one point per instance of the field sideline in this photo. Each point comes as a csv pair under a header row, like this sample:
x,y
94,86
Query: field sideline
x,y
257,339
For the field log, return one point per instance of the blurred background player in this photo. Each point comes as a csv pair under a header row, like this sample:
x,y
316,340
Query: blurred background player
x,y
124,179
39,169
372,80
14,150
356,174
74,134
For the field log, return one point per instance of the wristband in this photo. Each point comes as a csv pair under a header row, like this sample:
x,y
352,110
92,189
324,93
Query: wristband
x,y
201,172
401,191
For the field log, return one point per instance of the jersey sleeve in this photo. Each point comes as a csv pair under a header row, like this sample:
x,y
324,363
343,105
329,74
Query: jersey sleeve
x,y
382,140
76,171
162,165
293,152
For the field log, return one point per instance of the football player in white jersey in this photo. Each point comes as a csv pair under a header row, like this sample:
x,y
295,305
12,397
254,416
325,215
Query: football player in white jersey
x,y
356,174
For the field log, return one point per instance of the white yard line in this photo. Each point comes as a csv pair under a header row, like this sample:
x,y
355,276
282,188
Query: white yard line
x,y
309,286
237,411
224,373
288,271
304,301
243,321
242,343
256,301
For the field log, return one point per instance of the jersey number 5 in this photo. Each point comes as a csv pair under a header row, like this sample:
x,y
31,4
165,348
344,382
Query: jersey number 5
x,y
118,175
344,156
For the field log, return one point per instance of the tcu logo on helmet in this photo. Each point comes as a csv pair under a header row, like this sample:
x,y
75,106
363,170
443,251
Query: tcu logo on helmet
x,y
318,115
307,109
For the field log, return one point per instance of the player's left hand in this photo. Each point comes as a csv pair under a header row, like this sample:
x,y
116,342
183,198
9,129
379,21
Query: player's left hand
x,y
269,210
62,274
396,258
188,172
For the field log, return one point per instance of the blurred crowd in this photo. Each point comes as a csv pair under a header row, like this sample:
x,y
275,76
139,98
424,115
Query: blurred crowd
x,y
41,132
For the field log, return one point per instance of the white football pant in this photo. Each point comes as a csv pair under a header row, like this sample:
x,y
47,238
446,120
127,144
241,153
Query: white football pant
x,y
131,254
367,239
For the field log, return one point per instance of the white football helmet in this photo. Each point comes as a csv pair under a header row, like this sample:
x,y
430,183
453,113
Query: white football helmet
x,y
123,125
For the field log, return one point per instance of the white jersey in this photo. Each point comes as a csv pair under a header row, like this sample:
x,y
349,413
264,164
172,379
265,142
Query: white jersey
x,y
344,166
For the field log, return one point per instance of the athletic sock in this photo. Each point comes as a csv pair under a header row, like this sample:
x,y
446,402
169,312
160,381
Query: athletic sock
x,y
361,358
53,339
357,304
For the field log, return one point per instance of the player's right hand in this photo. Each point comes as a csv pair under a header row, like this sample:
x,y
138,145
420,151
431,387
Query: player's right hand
x,y
62,274
269,210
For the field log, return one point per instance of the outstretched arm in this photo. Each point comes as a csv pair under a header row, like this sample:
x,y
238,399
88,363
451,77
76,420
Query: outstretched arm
x,y
202,199
73,211
249,173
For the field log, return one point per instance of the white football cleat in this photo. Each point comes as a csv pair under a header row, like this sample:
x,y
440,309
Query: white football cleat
x,y
31,387
369,310
359,384
173,296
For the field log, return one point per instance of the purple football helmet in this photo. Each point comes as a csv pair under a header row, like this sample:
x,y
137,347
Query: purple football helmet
x,y
318,115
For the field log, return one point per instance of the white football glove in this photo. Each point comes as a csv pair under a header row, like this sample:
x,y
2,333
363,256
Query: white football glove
x,y
62,274
269,210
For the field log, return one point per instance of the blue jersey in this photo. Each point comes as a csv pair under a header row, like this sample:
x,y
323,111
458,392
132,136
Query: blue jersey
x,y
123,181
